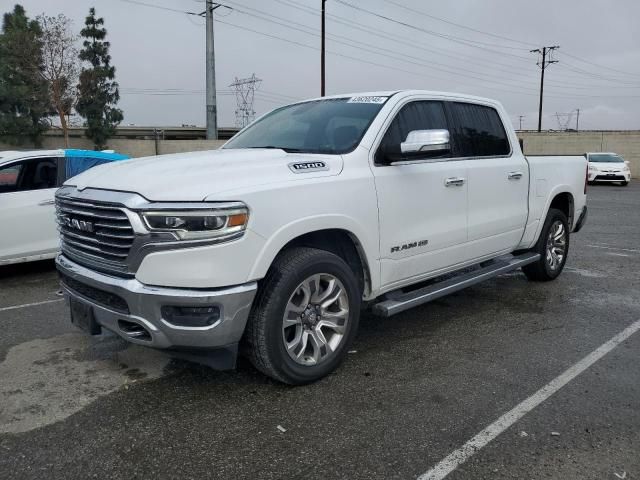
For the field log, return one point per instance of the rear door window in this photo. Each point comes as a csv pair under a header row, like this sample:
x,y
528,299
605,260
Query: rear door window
x,y
477,131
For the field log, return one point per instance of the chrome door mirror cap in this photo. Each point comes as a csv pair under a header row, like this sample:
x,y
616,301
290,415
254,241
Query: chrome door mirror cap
x,y
426,141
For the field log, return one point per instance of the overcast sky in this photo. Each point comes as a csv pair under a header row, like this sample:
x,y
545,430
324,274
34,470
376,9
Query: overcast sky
x,y
159,54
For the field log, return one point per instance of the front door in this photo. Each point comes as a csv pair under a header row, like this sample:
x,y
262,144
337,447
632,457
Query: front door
x,y
27,212
422,201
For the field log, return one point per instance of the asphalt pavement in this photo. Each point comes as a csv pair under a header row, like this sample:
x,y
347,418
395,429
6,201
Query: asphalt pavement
x,y
415,389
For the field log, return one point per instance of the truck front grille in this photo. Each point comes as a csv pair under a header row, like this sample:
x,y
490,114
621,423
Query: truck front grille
x,y
95,234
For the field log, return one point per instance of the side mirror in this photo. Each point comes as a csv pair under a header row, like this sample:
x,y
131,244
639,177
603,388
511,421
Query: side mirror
x,y
431,141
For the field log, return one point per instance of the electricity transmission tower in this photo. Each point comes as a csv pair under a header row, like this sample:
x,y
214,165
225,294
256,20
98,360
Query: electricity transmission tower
x,y
543,63
245,91
564,119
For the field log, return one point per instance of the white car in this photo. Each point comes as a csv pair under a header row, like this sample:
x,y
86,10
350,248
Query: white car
x,y
273,242
608,167
28,181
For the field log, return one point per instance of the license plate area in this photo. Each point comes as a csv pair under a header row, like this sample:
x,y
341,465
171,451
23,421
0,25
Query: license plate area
x,y
83,318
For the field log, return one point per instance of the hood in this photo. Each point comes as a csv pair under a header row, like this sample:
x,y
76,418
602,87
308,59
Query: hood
x,y
614,167
197,175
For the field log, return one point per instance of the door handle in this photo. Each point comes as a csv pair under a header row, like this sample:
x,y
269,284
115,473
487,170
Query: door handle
x,y
46,202
514,175
454,182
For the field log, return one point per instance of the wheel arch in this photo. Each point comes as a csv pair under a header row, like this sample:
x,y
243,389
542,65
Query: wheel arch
x,y
340,241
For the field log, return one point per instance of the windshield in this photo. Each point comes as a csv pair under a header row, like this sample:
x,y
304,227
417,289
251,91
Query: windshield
x,y
605,158
332,126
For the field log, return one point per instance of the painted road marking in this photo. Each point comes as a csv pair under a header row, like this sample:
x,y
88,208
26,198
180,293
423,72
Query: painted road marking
x,y
25,305
461,455
615,248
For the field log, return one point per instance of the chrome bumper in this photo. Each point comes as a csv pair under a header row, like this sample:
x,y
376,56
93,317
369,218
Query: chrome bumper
x,y
116,301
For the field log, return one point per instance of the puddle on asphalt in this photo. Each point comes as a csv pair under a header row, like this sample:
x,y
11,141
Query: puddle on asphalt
x,y
585,273
44,381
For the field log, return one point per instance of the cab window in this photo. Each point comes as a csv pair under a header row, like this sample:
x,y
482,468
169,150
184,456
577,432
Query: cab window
x,y
478,131
419,115
32,174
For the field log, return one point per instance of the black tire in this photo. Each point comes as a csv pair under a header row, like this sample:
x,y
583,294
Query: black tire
x,y
624,184
263,340
541,270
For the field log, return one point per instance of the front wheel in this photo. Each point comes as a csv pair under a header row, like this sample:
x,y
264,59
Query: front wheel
x,y
553,247
305,316
624,184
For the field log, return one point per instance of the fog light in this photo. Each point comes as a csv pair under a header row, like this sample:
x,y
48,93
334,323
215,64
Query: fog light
x,y
191,316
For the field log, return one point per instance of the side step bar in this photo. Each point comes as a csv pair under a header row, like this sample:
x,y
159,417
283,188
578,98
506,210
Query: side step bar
x,y
399,301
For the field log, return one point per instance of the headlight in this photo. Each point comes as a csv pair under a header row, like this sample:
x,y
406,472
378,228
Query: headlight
x,y
592,168
198,224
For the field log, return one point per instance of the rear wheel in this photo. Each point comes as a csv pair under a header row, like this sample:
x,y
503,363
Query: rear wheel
x,y
305,316
553,247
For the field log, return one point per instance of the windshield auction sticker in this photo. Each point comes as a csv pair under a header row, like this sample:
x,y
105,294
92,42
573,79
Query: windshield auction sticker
x,y
365,99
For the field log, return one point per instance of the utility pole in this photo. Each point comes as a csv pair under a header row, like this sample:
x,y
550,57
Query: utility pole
x,y
577,118
322,68
212,121
520,117
543,65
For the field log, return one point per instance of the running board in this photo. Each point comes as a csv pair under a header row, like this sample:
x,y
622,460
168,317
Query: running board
x,y
399,301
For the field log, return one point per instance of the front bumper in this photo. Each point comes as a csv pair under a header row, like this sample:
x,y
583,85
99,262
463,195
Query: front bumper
x,y
119,302
620,176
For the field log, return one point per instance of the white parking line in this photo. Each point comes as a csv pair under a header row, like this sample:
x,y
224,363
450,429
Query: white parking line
x,y
461,455
24,305
615,248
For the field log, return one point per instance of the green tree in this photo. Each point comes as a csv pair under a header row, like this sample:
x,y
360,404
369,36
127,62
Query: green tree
x,y
97,91
24,100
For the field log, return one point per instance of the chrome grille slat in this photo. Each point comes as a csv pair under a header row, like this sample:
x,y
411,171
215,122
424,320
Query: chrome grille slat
x,y
92,240
88,205
98,234
114,226
95,249
75,211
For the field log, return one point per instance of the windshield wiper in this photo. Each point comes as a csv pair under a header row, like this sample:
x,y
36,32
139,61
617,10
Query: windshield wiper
x,y
286,149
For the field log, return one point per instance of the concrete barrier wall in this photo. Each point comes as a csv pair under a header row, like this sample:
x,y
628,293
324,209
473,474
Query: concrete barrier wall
x,y
625,143
131,147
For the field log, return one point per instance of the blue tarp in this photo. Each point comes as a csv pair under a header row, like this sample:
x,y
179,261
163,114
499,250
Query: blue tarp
x,y
80,160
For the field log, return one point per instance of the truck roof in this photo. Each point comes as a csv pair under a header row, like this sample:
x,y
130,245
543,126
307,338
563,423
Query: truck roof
x,y
388,93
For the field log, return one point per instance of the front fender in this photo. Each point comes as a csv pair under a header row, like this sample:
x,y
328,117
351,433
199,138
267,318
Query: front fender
x,y
286,233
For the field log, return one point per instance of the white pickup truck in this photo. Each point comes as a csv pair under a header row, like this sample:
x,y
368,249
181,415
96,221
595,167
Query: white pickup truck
x,y
274,242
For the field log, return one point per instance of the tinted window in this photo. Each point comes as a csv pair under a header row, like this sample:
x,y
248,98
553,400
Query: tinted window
x,y
605,158
423,115
331,126
478,131
34,174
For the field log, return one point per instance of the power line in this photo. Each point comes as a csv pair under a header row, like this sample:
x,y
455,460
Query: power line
x,y
496,79
452,38
599,65
430,65
428,15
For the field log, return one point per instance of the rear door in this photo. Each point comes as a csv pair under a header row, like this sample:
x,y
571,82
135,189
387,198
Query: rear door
x,y
498,179
27,212
422,202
